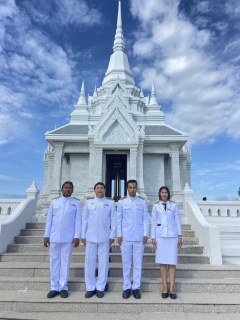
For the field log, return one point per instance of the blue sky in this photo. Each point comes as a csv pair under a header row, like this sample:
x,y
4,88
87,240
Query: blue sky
x,y
191,49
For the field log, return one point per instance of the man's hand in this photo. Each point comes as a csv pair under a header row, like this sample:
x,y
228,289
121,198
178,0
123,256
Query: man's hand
x,y
154,243
145,239
75,242
84,241
111,241
46,242
120,240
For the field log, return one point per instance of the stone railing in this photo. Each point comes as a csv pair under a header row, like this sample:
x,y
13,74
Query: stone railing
x,y
208,235
219,208
13,223
226,216
7,206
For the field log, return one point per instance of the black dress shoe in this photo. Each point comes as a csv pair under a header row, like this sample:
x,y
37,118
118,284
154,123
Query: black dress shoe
x,y
165,295
126,294
100,294
89,294
63,293
173,295
136,294
52,294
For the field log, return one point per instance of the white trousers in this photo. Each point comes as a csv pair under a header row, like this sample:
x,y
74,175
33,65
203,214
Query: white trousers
x,y
129,250
60,259
94,250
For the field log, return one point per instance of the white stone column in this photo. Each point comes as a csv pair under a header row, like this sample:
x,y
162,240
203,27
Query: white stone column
x,y
162,174
98,164
45,190
57,165
140,180
176,183
133,164
92,161
183,170
189,173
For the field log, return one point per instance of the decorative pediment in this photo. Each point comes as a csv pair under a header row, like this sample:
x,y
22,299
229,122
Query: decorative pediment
x,y
116,126
118,88
115,134
117,101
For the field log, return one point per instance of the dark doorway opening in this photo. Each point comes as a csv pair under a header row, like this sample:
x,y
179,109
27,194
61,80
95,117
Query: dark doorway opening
x,y
116,175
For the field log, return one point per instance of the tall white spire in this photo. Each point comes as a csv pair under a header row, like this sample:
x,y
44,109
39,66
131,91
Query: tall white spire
x,y
82,98
80,114
153,100
154,114
95,92
118,68
119,42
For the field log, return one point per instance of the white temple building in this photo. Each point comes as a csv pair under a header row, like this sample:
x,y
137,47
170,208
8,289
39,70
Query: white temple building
x,y
118,134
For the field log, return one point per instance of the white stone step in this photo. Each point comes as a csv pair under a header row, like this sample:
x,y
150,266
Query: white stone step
x,y
150,270
80,257
187,302
115,284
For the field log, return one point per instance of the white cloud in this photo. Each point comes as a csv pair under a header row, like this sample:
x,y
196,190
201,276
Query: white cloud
x,y
35,70
4,177
200,84
61,13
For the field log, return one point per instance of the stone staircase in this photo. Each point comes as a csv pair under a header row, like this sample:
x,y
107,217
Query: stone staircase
x,y
200,286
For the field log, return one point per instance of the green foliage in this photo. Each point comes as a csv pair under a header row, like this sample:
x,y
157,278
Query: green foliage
x,y
239,191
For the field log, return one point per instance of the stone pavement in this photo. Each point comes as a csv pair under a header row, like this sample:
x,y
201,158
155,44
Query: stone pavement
x,y
117,316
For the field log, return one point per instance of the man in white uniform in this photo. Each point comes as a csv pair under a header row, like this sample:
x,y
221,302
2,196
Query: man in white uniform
x,y
98,233
132,233
62,233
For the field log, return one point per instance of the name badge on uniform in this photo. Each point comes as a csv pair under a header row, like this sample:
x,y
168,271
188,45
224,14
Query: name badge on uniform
x,y
126,206
105,205
138,205
72,204
92,205
169,209
56,207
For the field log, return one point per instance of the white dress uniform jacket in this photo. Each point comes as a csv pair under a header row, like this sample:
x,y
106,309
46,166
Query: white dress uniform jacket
x,y
99,220
166,224
99,225
64,220
132,219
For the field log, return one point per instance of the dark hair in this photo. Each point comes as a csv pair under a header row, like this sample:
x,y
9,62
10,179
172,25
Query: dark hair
x,y
162,188
132,181
204,198
99,184
67,182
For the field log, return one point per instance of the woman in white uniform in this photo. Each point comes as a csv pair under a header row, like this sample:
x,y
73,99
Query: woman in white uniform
x,y
166,238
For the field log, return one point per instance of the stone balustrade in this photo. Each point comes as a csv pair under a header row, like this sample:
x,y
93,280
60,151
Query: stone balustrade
x,y
219,208
223,215
18,213
7,206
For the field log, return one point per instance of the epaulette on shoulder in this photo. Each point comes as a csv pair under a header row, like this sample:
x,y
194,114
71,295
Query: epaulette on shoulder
x,y
123,198
109,198
76,198
156,201
56,198
141,198
88,198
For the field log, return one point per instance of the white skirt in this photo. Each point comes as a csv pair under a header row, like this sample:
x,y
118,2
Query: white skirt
x,y
167,251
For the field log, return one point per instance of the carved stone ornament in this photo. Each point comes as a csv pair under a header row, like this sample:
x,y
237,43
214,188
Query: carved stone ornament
x,y
120,120
116,135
